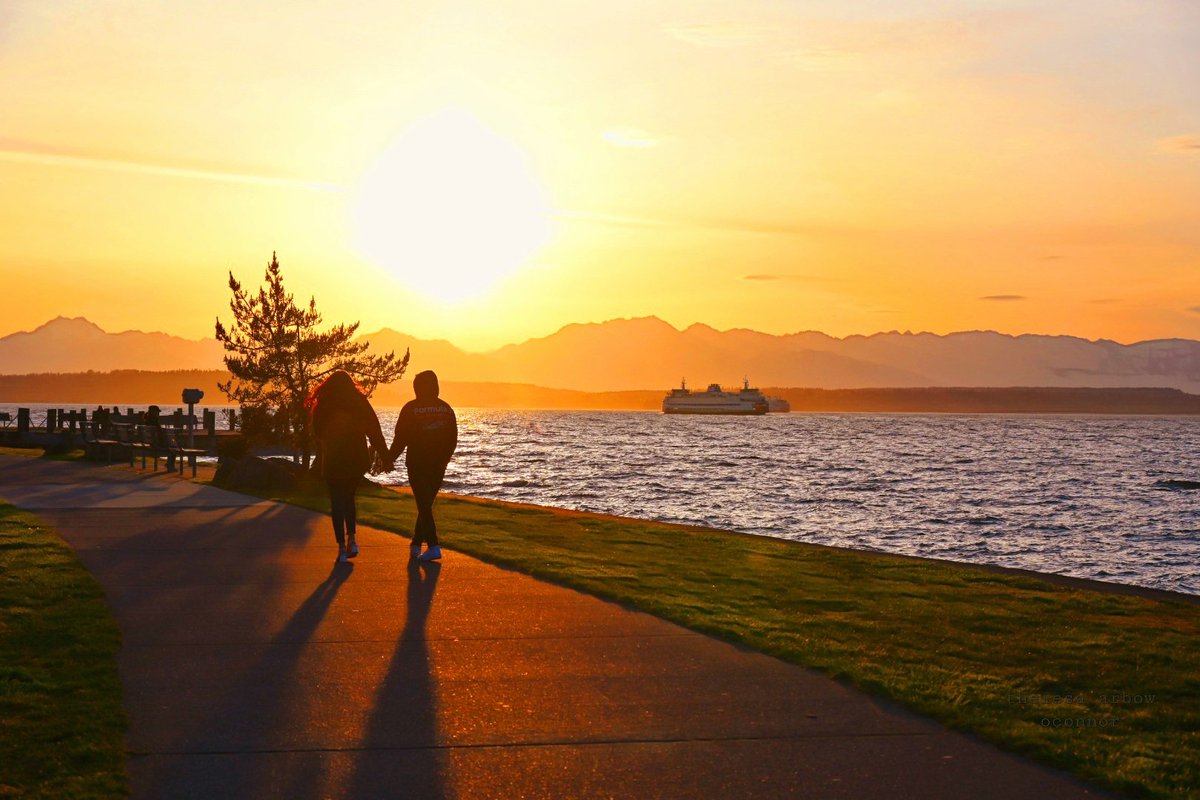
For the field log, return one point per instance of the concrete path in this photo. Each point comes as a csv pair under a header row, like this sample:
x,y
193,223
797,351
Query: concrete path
x,y
253,667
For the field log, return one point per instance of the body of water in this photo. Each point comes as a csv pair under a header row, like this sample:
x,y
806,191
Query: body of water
x,y
1088,496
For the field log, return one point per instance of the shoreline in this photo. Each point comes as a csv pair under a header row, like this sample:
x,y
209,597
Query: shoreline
x,y
206,470
1067,581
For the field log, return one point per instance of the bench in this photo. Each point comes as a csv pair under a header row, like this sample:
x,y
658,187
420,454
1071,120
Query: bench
x,y
124,434
176,452
151,437
93,445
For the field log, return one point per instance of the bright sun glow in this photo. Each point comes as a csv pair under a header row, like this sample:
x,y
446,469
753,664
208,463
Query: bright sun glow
x,y
451,208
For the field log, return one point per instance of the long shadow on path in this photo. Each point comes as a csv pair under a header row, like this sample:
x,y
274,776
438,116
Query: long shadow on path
x,y
266,705
401,754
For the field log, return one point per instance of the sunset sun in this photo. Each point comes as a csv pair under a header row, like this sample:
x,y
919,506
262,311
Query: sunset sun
x,y
450,208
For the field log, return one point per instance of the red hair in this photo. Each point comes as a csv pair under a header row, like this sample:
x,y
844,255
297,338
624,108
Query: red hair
x,y
337,389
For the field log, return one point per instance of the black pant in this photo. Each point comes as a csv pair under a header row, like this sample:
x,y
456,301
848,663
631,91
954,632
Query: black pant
x,y
341,506
425,482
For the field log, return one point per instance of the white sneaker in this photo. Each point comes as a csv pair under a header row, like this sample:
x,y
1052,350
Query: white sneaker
x,y
352,549
432,554
342,557
414,551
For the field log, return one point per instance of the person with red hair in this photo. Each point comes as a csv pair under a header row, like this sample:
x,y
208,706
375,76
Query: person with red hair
x,y
342,423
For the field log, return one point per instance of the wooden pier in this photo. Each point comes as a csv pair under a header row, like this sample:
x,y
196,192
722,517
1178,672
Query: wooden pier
x,y
63,429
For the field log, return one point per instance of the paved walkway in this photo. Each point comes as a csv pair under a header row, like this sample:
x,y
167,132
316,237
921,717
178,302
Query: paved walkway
x,y
253,667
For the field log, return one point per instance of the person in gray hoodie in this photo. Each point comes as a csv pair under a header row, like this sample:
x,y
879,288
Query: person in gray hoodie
x,y
428,429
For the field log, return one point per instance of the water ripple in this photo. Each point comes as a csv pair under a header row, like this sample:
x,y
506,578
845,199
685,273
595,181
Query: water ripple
x,y
1112,498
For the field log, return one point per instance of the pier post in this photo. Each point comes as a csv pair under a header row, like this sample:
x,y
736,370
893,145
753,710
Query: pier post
x,y
22,420
51,419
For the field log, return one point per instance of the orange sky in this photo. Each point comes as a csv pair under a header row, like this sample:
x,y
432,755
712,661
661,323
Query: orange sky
x,y
488,172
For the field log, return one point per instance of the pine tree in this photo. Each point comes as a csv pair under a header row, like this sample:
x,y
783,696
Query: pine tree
x,y
276,355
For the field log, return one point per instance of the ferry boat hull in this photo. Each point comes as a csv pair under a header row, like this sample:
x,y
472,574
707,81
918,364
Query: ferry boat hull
x,y
746,403
737,412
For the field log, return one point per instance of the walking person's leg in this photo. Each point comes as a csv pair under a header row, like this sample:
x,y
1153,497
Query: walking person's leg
x,y
349,491
337,510
425,485
421,529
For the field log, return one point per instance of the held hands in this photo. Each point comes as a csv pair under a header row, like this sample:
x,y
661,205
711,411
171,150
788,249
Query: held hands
x,y
380,463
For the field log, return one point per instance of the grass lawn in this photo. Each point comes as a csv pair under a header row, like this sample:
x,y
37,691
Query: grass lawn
x,y
1105,686
61,723
38,452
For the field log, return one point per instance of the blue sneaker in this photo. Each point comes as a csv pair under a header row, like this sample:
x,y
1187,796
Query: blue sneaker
x,y
352,549
432,554
414,551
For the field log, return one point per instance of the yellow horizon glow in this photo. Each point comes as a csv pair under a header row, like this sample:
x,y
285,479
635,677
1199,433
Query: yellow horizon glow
x,y
489,174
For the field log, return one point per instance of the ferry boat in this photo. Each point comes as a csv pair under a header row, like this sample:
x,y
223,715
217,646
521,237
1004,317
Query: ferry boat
x,y
778,405
747,402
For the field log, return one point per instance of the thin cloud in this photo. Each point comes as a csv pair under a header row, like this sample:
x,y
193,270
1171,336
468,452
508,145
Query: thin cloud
x,y
1195,309
693,223
821,59
787,276
720,34
729,224
613,220
1189,145
76,161
630,137
1004,297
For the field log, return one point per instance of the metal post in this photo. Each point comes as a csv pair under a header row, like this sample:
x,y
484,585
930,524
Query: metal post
x,y
191,397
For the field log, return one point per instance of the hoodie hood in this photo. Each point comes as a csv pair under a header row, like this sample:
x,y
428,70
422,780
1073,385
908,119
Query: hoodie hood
x,y
425,385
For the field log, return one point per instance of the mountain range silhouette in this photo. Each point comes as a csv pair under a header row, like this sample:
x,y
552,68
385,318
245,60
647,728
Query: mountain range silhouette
x,y
648,353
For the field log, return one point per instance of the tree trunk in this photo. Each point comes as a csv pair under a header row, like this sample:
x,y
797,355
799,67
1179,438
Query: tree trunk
x,y
305,442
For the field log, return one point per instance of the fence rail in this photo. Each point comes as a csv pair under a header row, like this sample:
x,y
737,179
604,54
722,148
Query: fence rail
x,y
61,428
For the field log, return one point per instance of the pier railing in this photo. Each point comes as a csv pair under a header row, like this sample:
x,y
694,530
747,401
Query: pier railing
x,y
63,428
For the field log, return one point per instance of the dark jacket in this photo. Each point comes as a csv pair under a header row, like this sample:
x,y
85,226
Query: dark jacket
x,y
342,430
427,428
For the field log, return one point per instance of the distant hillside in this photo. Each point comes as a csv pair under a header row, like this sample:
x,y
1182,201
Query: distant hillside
x,y
135,387
132,387
647,354
120,387
993,400
77,345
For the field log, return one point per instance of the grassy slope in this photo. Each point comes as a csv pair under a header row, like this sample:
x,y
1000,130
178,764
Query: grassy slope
x,y
988,653
61,723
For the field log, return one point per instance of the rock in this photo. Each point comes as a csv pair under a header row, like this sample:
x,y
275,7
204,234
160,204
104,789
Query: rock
x,y
252,473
